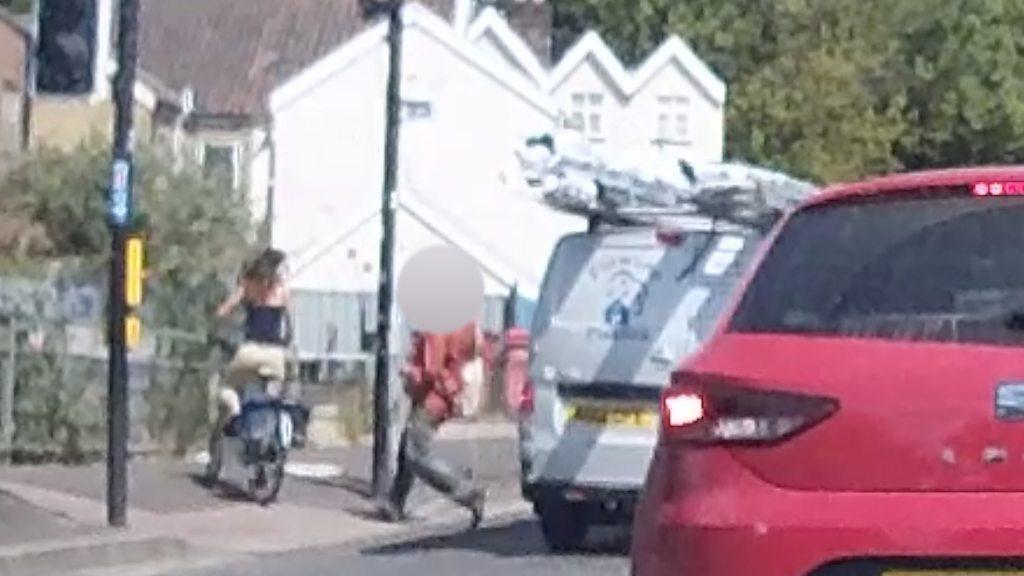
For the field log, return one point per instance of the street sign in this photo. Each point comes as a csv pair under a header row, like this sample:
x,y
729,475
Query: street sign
x,y
119,201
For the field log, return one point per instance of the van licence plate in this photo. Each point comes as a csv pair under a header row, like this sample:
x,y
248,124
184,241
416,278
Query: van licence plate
x,y
613,416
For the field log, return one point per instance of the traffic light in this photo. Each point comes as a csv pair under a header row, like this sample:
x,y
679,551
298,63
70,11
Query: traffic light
x,y
66,51
132,331
134,271
134,278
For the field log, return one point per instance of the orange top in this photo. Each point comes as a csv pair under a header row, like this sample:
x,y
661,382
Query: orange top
x,y
434,371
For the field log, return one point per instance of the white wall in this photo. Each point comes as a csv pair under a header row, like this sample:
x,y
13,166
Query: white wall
x,y
631,123
588,77
351,265
330,162
329,156
706,117
500,55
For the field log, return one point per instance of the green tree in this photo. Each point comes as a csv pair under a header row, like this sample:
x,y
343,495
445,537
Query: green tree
x,y
819,102
963,64
633,27
837,89
197,234
197,231
809,89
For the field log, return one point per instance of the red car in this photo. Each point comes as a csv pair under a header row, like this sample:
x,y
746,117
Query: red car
x,y
861,409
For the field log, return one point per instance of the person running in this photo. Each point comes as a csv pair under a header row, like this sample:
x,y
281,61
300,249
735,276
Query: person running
x,y
433,383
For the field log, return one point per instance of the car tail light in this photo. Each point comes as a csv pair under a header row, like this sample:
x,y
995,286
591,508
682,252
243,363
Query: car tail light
x,y
702,409
526,398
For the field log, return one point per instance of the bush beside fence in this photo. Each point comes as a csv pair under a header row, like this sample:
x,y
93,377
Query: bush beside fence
x,y
57,402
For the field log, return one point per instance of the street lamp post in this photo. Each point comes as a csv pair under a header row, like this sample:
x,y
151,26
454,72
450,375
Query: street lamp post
x,y
119,212
382,425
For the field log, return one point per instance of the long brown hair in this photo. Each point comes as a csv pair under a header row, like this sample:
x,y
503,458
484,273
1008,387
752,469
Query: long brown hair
x,y
264,271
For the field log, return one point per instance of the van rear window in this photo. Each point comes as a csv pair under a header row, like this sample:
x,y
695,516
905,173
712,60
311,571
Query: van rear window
x,y
935,264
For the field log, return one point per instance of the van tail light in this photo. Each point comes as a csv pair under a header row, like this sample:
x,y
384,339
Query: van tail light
x,y
706,410
526,398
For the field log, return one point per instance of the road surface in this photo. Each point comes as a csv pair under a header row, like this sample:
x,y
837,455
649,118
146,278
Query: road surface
x,y
509,548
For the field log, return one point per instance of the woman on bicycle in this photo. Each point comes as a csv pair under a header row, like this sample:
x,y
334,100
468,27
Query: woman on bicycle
x,y
263,354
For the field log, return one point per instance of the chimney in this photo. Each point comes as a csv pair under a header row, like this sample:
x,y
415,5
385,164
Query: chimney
x,y
533,20
464,11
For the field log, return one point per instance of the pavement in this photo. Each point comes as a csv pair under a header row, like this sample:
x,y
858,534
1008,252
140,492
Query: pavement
x,y
52,518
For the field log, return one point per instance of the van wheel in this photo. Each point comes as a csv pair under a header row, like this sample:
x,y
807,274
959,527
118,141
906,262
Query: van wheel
x,y
564,526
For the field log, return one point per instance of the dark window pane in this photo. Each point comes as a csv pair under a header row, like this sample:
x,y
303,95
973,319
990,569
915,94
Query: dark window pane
x,y
938,266
219,162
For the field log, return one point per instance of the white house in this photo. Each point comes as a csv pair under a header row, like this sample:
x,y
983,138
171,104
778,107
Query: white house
x,y
472,91
672,102
463,116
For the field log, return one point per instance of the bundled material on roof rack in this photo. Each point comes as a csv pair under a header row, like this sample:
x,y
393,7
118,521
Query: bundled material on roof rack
x,y
570,177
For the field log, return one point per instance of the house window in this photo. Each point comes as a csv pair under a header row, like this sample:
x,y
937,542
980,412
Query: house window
x,y
222,162
587,115
673,119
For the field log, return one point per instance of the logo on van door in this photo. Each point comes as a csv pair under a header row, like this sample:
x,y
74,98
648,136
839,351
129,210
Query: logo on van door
x,y
626,298
628,295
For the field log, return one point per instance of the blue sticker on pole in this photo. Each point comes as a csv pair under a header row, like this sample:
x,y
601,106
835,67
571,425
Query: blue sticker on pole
x,y
119,201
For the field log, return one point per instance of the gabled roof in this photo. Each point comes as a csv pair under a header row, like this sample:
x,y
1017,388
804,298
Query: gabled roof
x,y
533,21
491,22
674,49
420,211
491,264
232,53
414,15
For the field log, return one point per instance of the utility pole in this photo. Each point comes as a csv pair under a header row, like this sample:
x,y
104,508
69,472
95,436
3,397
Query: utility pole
x,y
382,465
120,216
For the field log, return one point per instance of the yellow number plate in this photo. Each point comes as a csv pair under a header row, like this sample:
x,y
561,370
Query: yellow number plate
x,y
613,417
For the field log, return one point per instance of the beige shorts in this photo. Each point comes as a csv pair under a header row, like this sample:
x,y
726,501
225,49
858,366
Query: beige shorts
x,y
252,361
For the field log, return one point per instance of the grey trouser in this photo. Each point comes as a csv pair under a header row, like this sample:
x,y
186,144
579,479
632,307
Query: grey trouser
x,y
416,461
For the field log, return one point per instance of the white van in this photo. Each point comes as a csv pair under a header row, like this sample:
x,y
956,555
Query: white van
x,y
618,310
620,307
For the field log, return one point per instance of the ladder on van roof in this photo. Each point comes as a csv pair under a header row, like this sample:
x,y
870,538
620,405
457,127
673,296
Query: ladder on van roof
x,y
571,178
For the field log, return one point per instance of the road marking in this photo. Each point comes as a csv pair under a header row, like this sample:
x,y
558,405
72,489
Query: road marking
x,y
316,471
311,470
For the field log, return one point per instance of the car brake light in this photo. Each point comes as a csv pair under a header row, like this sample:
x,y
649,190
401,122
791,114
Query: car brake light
x,y
683,409
699,409
998,189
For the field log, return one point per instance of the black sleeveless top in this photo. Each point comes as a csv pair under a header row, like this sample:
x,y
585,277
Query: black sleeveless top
x,y
264,324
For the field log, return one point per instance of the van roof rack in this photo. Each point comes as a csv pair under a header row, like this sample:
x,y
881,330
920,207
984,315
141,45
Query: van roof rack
x,y
571,178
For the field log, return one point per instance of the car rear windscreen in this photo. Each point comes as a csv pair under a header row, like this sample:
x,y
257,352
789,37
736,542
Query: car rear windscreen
x,y
934,264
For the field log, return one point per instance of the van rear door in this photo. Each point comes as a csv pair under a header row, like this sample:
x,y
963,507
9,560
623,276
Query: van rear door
x,y
623,308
